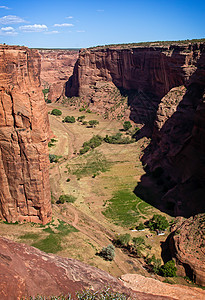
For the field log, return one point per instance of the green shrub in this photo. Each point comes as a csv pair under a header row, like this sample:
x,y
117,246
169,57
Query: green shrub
x,y
53,158
93,123
158,222
84,150
137,241
127,125
88,111
82,109
56,112
69,119
108,253
81,118
84,123
49,101
118,139
140,226
68,180
123,239
169,269
66,198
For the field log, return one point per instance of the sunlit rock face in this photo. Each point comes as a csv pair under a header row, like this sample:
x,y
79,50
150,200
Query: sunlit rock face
x,y
24,133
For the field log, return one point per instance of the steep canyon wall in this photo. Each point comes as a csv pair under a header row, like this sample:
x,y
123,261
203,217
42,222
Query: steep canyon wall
x,y
24,133
56,68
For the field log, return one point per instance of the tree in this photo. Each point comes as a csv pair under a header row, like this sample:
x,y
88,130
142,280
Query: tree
x,y
158,222
108,253
81,118
127,125
140,226
123,239
56,112
169,269
69,119
93,123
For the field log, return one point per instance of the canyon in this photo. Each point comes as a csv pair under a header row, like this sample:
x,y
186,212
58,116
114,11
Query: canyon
x,y
161,89
24,135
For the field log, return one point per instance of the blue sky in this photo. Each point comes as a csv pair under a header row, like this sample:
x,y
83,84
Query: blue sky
x,y
81,24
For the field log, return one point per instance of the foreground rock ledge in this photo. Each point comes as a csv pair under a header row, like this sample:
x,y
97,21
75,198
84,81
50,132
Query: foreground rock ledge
x,y
24,133
27,271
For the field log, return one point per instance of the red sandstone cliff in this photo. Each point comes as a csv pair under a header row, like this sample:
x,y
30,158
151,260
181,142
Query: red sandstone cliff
x,y
143,74
187,246
24,129
56,68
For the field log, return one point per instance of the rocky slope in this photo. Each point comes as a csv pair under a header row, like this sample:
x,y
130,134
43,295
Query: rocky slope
x,y
187,244
56,67
24,133
26,271
143,74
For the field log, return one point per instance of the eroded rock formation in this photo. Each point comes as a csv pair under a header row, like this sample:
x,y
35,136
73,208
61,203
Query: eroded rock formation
x,y
24,133
143,74
27,271
187,244
56,67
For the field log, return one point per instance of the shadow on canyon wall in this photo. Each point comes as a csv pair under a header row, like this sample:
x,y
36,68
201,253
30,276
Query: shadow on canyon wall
x,y
175,159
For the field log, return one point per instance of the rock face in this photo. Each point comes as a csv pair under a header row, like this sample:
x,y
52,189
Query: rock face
x,y
187,244
177,149
24,133
143,74
26,271
56,67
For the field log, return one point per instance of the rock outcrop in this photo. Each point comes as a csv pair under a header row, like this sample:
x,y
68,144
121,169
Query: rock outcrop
x,y
24,133
143,74
187,245
56,68
27,271
177,149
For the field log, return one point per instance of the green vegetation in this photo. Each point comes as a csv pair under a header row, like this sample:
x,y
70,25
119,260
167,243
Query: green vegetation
x,y
169,269
127,125
66,198
69,119
82,109
29,236
93,123
105,294
94,142
154,264
89,164
51,143
123,239
88,111
118,139
54,158
158,222
56,112
81,118
122,208
141,226
108,253
52,242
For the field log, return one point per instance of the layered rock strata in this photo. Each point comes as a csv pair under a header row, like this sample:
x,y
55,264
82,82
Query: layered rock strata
x,y
26,271
56,68
142,74
24,133
187,244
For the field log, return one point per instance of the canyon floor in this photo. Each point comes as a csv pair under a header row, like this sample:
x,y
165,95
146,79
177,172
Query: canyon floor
x,y
79,230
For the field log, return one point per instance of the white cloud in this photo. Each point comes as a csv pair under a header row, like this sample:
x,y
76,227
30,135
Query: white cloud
x,y
80,30
11,33
33,28
63,25
7,28
70,17
10,19
51,32
5,7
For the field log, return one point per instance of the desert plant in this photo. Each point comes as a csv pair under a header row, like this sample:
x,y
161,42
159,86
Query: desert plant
x,y
93,123
56,112
108,253
81,118
69,119
158,222
169,269
123,239
66,198
140,226
127,125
